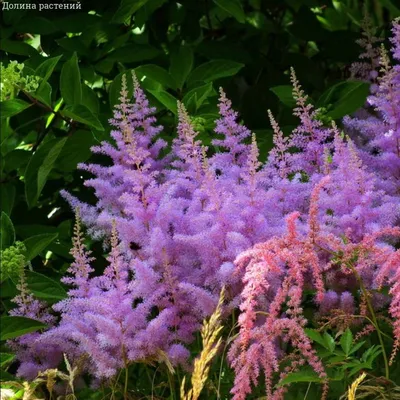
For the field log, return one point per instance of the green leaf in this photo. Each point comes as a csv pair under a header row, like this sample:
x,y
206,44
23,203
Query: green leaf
x,y
315,336
90,99
356,347
329,342
5,359
70,81
356,369
145,12
38,25
7,231
233,7
45,156
284,94
7,197
394,10
345,98
82,114
166,99
75,150
43,94
126,9
215,69
47,165
45,288
17,47
36,244
196,97
346,341
12,327
181,64
46,68
133,52
73,44
157,74
305,375
12,107
335,374
6,376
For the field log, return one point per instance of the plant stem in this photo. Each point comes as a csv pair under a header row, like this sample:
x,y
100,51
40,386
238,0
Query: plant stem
x,y
126,383
370,309
373,316
171,386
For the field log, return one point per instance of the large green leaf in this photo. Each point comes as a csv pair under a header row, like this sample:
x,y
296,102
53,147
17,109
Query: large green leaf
x,y
38,25
181,64
70,81
5,359
12,327
12,107
215,69
82,114
133,52
305,375
17,47
284,94
157,74
39,168
90,99
126,9
166,99
36,244
45,288
7,197
315,336
75,150
46,68
7,231
48,163
346,341
43,93
194,98
344,98
233,7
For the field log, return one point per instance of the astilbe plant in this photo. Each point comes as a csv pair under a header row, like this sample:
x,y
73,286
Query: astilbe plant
x,y
176,224
377,129
276,274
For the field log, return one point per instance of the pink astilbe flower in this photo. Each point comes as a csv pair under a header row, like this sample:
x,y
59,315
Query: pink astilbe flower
x,y
274,271
277,272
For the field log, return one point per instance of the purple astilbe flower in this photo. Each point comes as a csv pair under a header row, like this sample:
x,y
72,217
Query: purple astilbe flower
x,y
32,356
377,129
135,161
178,223
358,208
80,268
310,136
235,151
367,68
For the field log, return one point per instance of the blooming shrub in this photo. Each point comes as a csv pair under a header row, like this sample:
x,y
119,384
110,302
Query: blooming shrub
x,y
176,225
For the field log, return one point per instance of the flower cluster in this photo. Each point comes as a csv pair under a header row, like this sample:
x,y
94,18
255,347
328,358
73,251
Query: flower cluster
x,y
377,128
176,225
276,274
